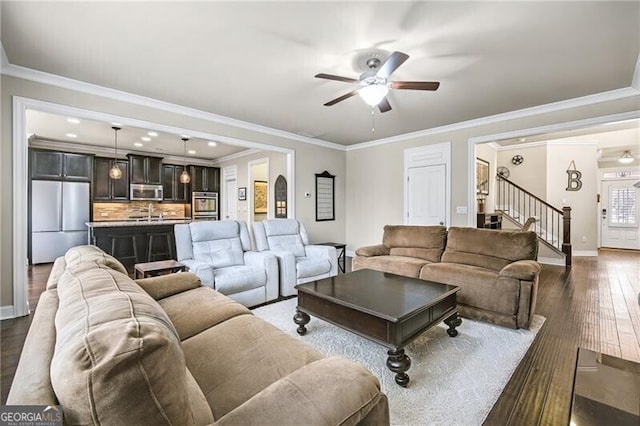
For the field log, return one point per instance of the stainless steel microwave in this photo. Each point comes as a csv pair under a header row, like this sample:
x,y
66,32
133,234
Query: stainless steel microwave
x,y
142,192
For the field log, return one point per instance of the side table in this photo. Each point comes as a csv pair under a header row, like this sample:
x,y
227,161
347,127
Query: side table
x,y
342,256
152,269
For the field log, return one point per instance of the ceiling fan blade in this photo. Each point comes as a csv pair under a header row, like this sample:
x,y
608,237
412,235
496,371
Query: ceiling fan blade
x,y
391,64
415,85
384,105
336,78
341,98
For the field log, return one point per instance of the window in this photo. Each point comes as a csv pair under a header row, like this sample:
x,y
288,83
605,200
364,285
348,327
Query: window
x,y
623,207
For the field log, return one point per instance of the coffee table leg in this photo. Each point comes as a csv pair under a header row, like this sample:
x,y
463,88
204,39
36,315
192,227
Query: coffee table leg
x,y
399,363
302,319
453,321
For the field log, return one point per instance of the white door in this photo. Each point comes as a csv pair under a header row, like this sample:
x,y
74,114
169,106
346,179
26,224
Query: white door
x,y
426,195
230,200
619,214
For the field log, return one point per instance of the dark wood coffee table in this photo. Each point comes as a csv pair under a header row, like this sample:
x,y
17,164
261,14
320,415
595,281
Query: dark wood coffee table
x,y
388,309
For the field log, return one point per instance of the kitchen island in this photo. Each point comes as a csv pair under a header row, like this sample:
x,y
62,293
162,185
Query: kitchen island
x,y
116,238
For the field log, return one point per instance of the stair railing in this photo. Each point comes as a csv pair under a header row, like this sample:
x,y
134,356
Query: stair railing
x,y
553,225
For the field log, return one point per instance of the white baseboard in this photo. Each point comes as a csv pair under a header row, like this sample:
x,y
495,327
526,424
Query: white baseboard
x,y
6,312
585,253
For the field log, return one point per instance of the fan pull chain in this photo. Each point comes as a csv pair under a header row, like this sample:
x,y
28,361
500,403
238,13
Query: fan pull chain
x,y
373,120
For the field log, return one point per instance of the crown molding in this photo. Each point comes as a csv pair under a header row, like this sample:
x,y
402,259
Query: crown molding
x,y
635,82
512,115
236,155
556,142
24,73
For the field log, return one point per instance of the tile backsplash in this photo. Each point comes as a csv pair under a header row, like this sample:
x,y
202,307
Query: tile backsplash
x,y
133,209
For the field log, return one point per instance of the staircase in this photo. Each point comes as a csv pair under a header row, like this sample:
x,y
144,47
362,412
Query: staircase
x,y
552,225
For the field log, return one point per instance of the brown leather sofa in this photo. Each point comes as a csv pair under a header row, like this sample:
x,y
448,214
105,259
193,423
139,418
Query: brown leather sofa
x,y
496,270
168,350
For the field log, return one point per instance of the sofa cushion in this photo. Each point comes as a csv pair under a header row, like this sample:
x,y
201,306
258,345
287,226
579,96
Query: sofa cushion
x,y
207,308
479,287
284,235
399,265
219,253
251,354
489,249
236,279
111,336
423,242
89,256
312,266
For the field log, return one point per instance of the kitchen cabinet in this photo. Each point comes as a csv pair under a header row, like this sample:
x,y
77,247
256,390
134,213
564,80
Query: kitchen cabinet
x,y
205,179
55,165
107,189
173,189
144,169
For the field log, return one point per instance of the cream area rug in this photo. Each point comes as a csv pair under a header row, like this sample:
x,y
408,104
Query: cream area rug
x,y
454,380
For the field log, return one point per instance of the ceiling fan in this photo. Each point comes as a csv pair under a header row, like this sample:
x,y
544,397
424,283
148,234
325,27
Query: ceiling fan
x,y
375,84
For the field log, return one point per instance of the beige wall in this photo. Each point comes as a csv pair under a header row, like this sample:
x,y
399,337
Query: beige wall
x,y
375,174
488,153
532,173
309,159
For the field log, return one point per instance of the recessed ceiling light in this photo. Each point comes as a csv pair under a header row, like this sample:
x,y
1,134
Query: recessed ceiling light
x,y
73,120
212,144
191,151
154,134
146,138
522,139
137,144
71,135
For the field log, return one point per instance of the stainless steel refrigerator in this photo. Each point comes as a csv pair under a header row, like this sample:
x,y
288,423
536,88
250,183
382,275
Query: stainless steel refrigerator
x,y
59,211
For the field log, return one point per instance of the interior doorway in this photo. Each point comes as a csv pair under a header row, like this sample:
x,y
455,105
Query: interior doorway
x,y
427,185
230,188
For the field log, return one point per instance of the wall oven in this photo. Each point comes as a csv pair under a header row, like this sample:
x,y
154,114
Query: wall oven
x,y
204,205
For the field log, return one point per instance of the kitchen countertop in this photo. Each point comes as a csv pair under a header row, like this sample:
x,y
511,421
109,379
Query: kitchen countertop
x,y
120,223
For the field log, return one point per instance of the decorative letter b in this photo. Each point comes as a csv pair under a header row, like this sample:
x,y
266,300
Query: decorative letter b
x,y
574,183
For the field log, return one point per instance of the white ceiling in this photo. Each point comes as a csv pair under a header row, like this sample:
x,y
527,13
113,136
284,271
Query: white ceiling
x,y
256,61
44,127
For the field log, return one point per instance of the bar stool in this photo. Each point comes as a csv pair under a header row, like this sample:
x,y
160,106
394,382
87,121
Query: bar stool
x,y
114,244
150,238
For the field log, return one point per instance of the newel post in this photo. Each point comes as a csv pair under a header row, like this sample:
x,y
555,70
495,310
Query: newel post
x,y
566,235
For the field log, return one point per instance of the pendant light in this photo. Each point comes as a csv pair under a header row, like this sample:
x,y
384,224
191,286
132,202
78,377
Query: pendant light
x,y
184,177
115,172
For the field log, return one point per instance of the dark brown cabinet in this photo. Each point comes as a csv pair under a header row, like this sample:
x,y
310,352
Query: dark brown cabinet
x,y
489,220
173,189
205,179
143,169
107,189
54,165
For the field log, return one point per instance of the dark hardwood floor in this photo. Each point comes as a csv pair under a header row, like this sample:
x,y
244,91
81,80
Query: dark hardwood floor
x,y
594,305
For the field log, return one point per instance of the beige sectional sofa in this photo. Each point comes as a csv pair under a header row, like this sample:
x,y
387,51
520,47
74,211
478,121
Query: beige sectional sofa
x,y
496,270
168,350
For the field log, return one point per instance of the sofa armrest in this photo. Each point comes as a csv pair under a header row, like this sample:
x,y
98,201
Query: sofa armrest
x,y
526,270
330,391
167,285
369,251
204,271
328,252
268,262
287,268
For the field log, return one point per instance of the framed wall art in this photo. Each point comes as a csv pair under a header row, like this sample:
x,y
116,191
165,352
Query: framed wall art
x,y
482,177
242,193
260,197
325,196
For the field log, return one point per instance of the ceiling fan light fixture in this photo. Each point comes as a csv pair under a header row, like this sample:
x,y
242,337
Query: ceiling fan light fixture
x,y
626,157
373,94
